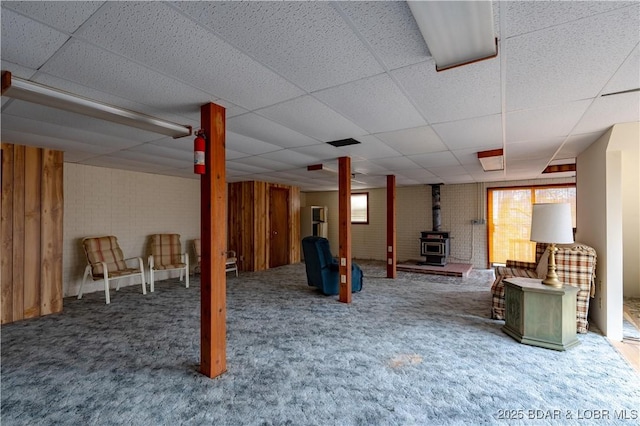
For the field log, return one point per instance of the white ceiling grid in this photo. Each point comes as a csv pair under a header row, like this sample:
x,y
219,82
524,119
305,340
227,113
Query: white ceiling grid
x,y
295,75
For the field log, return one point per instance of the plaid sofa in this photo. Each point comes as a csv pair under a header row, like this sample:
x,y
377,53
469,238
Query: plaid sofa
x,y
575,265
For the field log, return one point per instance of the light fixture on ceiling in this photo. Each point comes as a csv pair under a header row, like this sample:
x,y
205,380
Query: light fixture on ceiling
x,y
29,91
456,32
491,160
551,223
621,92
560,168
329,172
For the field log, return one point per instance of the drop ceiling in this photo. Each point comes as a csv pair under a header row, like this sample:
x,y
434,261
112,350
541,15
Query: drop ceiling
x,y
295,75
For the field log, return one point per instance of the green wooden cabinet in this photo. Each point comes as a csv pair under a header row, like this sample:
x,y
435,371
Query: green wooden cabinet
x,y
540,315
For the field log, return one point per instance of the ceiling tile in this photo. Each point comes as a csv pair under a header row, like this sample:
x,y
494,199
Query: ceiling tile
x,y
240,166
417,174
360,101
155,162
160,151
321,151
413,141
542,149
262,162
93,67
125,164
435,159
564,62
65,16
454,94
576,144
378,22
248,145
312,118
470,133
448,171
370,147
292,158
232,155
185,50
454,179
609,110
260,128
529,168
18,70
523,17
628,75
369,168
26,42
396,164
544,123
22,136
316,47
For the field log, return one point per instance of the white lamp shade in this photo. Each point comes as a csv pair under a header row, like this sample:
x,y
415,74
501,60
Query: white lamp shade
x,y
551,223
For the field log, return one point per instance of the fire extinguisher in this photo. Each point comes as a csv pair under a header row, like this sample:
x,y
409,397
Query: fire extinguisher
x,y
198,153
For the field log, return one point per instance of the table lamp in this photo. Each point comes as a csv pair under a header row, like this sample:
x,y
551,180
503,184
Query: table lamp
x,y
551,223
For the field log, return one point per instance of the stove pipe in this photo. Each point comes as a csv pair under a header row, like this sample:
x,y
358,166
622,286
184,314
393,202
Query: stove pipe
x,y
435,207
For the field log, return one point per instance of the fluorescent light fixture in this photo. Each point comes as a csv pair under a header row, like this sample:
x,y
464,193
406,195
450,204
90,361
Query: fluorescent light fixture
x,y
29,91
492,160
456,32
551,223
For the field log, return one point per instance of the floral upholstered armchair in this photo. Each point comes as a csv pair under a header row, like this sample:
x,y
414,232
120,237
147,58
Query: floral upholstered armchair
x,y
575,265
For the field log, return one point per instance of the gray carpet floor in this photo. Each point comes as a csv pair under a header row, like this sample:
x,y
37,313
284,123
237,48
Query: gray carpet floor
x,y
418,350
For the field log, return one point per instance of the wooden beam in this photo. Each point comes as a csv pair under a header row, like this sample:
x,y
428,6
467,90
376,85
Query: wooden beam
x,y
344,227
213,233
391,227
51,231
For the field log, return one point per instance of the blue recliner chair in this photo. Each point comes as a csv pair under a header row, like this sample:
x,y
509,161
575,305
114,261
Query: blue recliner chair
x,y
323,269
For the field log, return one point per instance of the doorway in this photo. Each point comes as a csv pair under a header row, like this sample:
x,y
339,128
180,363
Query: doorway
x,y
278,227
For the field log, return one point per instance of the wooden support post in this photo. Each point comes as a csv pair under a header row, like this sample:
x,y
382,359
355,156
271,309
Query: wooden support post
x,y
391,227
344,227
213,234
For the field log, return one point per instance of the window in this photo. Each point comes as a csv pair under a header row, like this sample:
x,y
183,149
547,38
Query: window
x,y
360,208
510,218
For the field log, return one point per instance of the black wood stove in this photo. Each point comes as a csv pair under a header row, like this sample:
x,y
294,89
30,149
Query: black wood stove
x,y
434,245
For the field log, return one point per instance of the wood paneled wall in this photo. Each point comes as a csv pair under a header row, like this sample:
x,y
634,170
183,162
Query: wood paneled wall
x,y
248,220
31,218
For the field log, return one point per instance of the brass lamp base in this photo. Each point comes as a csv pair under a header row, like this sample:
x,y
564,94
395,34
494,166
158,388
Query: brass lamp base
x,y
552,276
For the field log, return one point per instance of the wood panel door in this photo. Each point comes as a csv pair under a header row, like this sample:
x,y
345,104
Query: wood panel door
x,y
278,227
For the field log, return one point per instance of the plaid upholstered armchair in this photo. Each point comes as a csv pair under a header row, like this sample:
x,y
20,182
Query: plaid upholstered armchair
x,y
167,255
106,262
575,265
231,263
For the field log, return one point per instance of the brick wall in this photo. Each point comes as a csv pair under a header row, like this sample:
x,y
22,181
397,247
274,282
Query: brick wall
x,y
129,205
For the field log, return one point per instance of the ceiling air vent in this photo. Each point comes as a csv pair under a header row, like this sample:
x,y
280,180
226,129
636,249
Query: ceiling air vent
x,y
344,142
